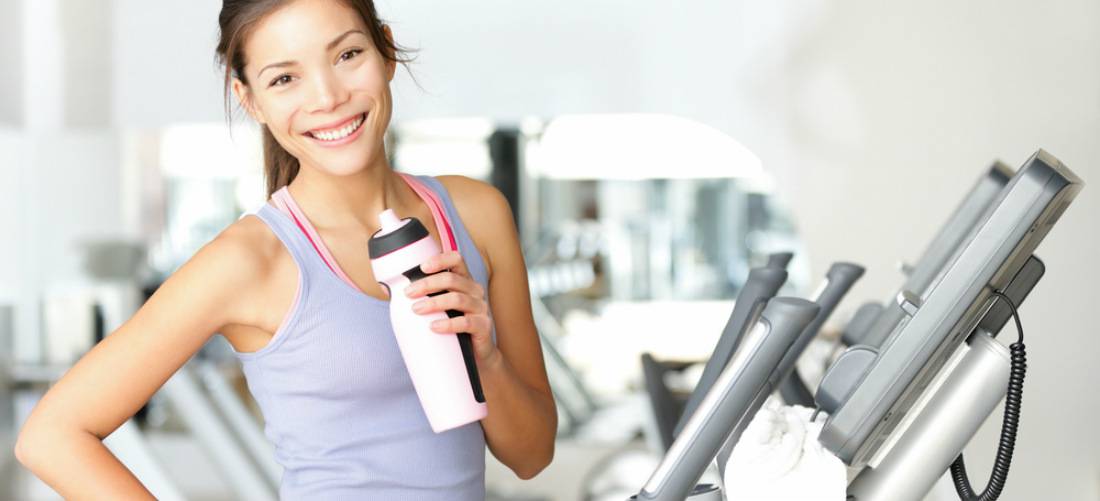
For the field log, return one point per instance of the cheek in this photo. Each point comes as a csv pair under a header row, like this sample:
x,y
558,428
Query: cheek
x,y
281,112
281,115
370,80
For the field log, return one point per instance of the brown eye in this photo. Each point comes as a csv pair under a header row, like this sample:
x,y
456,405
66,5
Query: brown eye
x,y
280,80
350,54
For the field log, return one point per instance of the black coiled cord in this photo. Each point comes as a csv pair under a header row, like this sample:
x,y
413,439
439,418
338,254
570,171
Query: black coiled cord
x,y
1009,426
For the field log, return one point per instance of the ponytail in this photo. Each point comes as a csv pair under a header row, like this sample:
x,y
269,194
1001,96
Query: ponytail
x,y
280,167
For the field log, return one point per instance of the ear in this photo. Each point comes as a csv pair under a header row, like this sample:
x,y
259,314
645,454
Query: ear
x,y
391,66
244,96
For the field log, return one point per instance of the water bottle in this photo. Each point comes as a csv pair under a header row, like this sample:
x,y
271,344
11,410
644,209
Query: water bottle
x,y
442,366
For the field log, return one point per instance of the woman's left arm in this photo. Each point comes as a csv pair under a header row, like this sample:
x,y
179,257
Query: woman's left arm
x,y
522,420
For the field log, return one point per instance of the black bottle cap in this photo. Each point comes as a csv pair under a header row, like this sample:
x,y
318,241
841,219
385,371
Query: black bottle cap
x,y
380,245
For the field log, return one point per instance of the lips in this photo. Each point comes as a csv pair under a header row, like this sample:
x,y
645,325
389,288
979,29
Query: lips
x,y
339,130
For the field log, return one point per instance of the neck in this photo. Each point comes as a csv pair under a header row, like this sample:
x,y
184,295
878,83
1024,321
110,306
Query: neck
x,y
351,201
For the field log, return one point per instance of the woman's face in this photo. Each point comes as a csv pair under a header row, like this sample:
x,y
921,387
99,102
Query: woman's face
x,y
319,84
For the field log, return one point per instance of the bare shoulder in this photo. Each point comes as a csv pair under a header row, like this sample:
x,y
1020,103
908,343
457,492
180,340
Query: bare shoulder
x,y
468,191
243,250
248,243
484,211
233,265
475,195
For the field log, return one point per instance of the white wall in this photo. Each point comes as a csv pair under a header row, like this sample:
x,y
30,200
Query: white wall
x,y
163,69
88,58
11,39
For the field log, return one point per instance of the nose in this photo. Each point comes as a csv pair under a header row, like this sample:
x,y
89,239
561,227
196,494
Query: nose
x,y
328,92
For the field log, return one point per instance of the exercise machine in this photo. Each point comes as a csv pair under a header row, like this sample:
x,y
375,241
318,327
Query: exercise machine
x,y
868,391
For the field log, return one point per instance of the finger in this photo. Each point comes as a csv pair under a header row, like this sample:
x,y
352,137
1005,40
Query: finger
x,y
475,325
444,281
446,261
450,301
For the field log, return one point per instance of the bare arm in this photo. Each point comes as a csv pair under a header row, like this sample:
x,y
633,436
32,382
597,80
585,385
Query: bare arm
x,y
522,420
61,441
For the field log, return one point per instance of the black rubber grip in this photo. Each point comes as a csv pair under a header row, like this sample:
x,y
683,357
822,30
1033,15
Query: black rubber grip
x,y
465,341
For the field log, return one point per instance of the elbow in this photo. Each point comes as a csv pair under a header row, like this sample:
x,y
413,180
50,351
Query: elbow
x,y
536,465
523,475
539,461
35,441
527,473
25,447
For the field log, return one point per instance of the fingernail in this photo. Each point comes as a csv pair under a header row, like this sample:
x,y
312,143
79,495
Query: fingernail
x,y
438,324
411,290
419,306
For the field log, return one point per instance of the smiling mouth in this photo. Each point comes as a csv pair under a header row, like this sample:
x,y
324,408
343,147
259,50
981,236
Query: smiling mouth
x,y
339,133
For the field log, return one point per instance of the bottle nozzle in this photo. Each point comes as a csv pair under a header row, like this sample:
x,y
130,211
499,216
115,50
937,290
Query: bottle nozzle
x,y
394,233
388,220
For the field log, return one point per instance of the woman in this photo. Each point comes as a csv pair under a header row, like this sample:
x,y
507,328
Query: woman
x,y
290,287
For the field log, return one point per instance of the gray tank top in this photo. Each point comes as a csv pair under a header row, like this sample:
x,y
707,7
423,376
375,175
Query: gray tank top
x,y
337,401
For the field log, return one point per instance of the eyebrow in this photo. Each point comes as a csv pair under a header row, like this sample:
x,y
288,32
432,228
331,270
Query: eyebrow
x,y
328,47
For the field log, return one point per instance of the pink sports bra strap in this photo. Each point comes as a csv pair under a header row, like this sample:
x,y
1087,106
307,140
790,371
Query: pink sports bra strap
x,y
287,205
443,225
284,202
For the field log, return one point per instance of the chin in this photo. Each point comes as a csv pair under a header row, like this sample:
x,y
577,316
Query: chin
x,y
347,163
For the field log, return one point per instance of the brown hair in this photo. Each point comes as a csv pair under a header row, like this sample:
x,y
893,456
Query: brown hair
x,y
236,21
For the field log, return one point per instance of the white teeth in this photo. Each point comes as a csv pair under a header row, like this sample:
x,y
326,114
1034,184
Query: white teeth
x,y
339,133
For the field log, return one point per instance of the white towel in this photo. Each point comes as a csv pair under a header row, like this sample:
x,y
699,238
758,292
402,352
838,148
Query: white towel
x,y
779,458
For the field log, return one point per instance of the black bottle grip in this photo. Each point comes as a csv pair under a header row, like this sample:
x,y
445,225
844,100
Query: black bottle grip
x,y
465,340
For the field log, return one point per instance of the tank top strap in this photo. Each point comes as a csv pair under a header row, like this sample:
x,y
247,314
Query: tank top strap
x,y
287,233
431,199
462,239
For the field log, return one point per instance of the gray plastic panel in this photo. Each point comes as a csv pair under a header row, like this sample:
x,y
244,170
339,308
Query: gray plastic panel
x,y
843,377
1021,217
860,324
944,248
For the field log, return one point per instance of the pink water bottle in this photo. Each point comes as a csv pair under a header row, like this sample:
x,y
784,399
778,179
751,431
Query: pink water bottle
x,y
442,366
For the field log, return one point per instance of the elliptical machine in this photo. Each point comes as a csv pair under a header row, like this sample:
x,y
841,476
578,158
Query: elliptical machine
x,y
869,392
